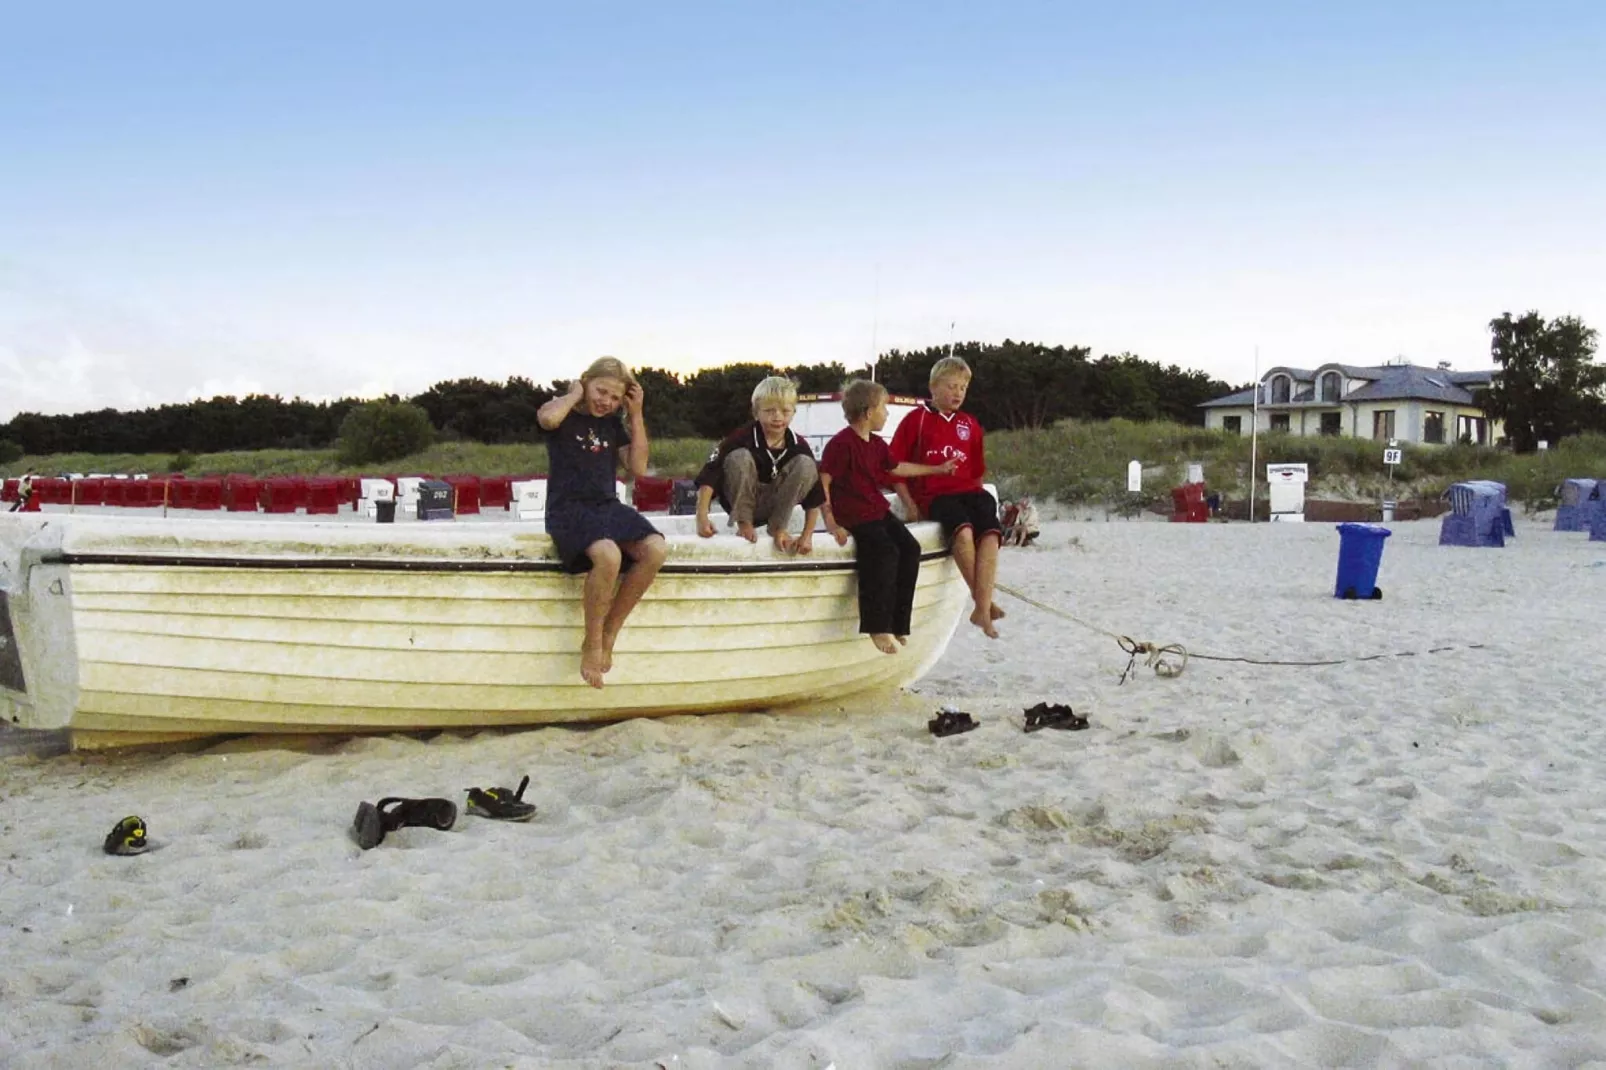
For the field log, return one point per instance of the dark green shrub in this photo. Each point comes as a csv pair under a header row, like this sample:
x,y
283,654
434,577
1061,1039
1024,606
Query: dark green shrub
x,y
383,431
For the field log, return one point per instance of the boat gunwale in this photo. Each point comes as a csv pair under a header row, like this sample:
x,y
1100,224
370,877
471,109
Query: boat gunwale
x,y
393,564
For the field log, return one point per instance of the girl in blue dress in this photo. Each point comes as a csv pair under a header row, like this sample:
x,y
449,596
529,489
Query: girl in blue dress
x,y
591,430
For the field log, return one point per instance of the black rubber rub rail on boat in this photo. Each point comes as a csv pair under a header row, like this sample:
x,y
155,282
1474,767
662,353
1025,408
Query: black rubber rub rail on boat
x,y
377,564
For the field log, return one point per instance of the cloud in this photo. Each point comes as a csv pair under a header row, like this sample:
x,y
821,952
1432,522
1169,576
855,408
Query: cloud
x,y
65,351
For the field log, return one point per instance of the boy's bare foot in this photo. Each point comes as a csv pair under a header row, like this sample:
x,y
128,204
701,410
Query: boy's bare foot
x,y
748,532
784,542
593,663
607,650
996,611
985,623
903,640
884,643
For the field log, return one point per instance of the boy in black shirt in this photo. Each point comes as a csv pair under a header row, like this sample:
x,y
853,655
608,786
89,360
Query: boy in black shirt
x,y
764,470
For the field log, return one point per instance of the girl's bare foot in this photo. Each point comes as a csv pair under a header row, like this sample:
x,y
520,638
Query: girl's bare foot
x,y
984,621
593,663
607,650
996,612
748,532
884,643
903,640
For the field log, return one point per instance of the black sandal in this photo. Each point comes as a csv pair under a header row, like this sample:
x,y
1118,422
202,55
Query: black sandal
x,y
1043,716
127,838
501,804
951,723
374,820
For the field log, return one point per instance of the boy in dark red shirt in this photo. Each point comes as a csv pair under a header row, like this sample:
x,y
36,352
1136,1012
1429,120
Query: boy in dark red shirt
x,y
854,467
936,432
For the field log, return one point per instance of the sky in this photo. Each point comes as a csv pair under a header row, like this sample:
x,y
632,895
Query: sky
x,y
347,199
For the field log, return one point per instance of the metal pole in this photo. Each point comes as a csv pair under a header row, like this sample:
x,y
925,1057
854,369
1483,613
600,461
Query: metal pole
x,y
1254,436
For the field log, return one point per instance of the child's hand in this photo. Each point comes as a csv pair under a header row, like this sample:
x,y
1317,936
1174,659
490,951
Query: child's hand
x,y
947,467
577,390
705,526
840,534
633,399
805,542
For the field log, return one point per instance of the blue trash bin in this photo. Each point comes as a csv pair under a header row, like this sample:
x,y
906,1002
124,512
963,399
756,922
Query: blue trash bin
x,y
1360,552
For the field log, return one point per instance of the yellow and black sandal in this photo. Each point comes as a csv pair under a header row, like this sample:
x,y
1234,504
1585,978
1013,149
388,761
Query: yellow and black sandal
x,y
501,804
128,838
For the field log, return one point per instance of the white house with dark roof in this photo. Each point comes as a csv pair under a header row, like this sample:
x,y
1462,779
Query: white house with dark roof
x,y
1430,406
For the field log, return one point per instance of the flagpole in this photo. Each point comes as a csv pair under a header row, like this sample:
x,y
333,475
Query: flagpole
x,y
1254,436
875,324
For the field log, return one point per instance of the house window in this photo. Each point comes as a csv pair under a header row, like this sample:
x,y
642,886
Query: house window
x,y
1473,429
1433,427
1332,423
1281,385
1332,386
1383,424
1233,425
1279,421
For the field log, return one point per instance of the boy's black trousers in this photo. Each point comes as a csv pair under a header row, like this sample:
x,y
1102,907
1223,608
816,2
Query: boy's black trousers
x,y
888,563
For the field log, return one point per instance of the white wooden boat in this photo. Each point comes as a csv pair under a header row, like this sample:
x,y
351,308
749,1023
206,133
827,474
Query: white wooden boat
x,y
130,630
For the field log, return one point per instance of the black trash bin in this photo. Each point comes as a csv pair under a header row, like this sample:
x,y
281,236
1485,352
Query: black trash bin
x,y
385,512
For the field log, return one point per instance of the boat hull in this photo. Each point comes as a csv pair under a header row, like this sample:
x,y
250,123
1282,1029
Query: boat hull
x,y
127,631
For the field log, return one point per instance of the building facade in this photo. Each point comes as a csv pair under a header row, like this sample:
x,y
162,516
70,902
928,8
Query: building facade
x,y
1400,402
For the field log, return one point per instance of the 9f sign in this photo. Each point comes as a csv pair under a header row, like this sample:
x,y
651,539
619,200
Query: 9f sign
x,y
1391,456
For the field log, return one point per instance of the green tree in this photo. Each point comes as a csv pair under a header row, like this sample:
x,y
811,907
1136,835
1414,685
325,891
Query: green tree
x,y
9,451
1548,385
383,431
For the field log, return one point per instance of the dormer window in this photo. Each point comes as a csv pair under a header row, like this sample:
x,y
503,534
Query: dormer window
x,y
1281,387
1332,387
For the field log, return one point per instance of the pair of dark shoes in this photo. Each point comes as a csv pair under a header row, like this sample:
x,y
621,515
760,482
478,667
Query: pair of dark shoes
x,y
375,820
1043,716
951,723
128,837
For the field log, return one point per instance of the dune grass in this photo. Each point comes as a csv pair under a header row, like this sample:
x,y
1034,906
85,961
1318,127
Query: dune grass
x,y
1074,462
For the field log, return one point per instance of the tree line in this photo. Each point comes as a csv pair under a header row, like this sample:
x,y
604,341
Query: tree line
x,y
1016,385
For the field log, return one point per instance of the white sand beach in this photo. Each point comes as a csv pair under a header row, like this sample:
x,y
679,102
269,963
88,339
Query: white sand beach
x,y
1390,862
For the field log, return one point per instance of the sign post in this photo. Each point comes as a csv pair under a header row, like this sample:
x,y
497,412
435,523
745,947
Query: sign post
x,y
1391,457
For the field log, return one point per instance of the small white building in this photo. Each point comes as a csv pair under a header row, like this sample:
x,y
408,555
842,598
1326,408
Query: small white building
x,y
819,417
1421,406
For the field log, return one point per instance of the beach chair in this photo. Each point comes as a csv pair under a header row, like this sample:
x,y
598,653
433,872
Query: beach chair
x,y
529,499
1477,517
1573,512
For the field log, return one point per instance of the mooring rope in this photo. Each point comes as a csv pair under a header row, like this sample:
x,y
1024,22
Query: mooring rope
x,y
1169,659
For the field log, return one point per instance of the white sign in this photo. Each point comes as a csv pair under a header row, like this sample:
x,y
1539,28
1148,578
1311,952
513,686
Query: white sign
x,y
1391,456
1134,477
1287,473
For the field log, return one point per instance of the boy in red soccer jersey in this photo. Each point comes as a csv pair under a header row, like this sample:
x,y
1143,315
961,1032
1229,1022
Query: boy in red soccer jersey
x,y
854,466
933,434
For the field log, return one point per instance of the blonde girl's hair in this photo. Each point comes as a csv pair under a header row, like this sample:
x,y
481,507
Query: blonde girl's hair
x,y
775,388
859,396
948,366
607,368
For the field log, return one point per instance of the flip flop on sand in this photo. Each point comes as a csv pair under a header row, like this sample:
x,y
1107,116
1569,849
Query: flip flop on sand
x,y
374,820
1043,716
951,723
128,838
501,804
